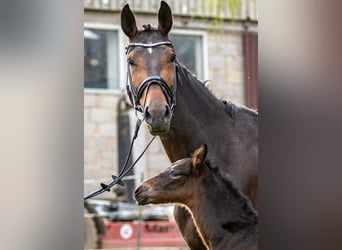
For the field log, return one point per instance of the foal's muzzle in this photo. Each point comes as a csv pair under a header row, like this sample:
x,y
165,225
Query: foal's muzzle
x,y
140,196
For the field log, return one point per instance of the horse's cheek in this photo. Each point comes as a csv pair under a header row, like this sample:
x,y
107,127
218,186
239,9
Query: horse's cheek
x,y
138,75
167,73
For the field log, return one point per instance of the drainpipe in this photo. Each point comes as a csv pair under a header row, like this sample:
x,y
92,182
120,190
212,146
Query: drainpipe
x,y
124,140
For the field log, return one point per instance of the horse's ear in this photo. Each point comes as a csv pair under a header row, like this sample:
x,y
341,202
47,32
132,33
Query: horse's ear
x,y
199,157
128,24
164,18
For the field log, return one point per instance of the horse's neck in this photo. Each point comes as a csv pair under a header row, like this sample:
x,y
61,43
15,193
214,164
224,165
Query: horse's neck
x,y
220,211
196,113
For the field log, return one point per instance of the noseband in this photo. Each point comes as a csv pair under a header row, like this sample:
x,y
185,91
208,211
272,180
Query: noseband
x,y
136,95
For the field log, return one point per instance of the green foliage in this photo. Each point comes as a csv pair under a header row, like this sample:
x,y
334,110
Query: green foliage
x,y
218,9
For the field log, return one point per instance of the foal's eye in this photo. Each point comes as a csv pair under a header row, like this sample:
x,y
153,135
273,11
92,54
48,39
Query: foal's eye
x,y
177,173
174,173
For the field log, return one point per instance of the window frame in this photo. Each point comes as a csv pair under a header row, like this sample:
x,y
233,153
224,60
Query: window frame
x,y
204,35
121,66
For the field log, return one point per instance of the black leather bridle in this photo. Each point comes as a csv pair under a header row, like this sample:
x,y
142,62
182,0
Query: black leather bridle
x,y
135,95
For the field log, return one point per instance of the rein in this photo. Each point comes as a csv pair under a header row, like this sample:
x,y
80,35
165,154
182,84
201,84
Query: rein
x,y
124,170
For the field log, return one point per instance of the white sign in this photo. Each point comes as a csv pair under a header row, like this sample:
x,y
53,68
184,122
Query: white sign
x,y
126,231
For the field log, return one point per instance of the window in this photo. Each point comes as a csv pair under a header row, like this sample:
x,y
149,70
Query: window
x,y
189,49
101,64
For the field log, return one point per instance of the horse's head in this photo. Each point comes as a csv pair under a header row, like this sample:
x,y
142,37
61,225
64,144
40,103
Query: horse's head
x,y
176,184
151,80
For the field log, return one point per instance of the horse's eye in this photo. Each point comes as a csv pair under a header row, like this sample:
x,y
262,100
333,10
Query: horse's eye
x,y
131,62
172,58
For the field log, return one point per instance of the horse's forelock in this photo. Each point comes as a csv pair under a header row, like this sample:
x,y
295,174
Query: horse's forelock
x,y
148,34
148,27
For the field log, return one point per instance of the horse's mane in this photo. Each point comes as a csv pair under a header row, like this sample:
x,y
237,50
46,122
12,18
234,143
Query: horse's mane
x,y
247,210
232,109
186,75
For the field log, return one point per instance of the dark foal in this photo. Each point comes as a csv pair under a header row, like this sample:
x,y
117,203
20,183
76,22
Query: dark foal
x,y
178,108
224,217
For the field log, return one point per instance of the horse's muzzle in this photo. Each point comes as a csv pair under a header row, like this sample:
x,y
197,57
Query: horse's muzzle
x,y
158,116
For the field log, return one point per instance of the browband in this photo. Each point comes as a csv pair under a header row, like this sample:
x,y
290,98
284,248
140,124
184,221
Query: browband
x,y
151,45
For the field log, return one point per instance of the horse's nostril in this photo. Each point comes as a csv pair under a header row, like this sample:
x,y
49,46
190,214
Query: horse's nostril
x,y
147,116
167,115
158,116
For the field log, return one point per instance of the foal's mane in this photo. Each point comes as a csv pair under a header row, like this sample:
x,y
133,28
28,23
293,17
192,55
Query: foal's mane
x,y
247,210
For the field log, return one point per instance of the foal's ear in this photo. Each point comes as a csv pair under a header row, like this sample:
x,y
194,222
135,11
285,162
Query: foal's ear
x,y
199,157
128,24
164,18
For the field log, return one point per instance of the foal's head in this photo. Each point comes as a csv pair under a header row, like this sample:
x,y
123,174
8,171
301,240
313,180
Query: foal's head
x,y
151,68
176,184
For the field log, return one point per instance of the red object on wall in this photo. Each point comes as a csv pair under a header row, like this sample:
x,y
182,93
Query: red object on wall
x,y
152,234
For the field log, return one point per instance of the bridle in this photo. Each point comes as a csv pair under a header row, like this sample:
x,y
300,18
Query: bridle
x,y
135,95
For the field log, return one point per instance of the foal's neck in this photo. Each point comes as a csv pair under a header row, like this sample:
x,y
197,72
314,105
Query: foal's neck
x,y
220,211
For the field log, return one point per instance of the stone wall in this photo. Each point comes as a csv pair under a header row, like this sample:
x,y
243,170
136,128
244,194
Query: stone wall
x,y
225,65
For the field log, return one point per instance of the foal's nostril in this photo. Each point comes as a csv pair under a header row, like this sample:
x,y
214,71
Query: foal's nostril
x,y
136,192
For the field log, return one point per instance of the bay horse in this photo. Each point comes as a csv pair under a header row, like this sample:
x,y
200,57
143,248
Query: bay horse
x,y
224,217
178,108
